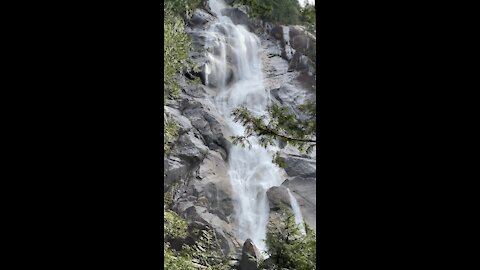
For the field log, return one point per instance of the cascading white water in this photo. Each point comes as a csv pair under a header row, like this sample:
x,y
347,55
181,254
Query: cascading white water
x,y
296,212
251,171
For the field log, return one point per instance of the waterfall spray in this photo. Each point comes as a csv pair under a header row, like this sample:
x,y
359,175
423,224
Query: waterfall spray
x,y
235,71
296,212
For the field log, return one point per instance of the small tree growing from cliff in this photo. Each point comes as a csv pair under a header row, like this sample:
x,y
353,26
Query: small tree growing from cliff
x,y
288,248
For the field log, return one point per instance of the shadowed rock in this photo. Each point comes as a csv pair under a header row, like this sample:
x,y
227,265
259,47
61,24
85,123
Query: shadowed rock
x,y
238,15
250,256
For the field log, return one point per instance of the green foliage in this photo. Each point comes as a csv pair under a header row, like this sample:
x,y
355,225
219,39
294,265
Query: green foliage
x,y
277,159
176,261
280,11
307,16
279,123
207,252
170,131
288,248
175,51
182,8
176,46
174,226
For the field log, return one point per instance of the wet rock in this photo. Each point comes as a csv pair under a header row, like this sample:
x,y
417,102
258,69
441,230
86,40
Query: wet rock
x,y
199,39
213,80
305,43
278,198
238,15
307,79
200,17
299,62
250,256
290,94
296,30
277,32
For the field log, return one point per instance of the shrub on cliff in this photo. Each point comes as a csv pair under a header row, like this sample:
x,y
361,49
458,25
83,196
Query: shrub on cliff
x,y
280,11
288,248
176,46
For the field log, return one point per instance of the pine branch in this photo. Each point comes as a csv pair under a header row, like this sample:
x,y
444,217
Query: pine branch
x,y
283,136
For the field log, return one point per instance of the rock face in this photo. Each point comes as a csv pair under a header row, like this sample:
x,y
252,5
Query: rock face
x,y
303,189
299,166
250,256
196,172
280,206
278,198
237,14
200,17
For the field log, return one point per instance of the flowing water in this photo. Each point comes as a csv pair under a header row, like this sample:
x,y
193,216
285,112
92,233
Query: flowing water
x,y
297,212
251,171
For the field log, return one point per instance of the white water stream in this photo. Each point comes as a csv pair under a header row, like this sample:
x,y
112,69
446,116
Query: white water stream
x,y
251,171
297,212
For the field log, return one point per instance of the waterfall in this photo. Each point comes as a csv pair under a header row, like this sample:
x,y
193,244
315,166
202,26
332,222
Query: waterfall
x,y
296,212
235,72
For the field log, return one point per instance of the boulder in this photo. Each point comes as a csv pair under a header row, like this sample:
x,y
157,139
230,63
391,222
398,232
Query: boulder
x,y
303,41
200,17
289,94
213,80
183,123
300,166
250,256
197,91
190,149
278,198
277,32
238,15
299,62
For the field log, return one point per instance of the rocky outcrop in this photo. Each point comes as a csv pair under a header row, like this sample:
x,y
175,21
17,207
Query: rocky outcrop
x,y
250,256
200,18
303,189
299,166
278,198
238,15
204,118
302,41
280,206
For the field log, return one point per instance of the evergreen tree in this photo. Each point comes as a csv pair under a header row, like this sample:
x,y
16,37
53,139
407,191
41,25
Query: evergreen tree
x,y
289,249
